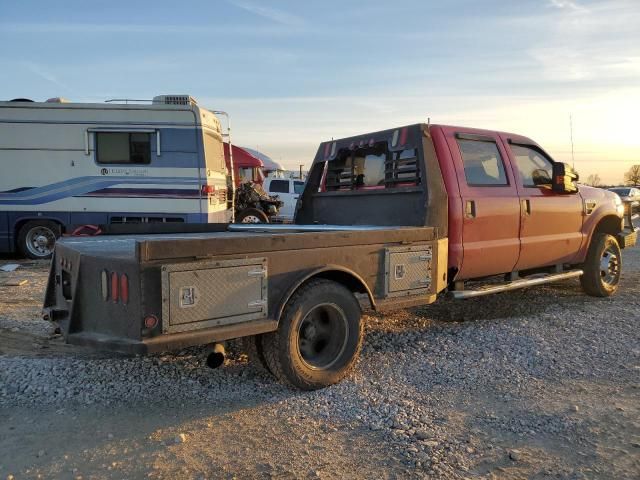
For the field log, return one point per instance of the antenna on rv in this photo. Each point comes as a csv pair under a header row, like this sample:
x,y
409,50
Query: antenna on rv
x,y
573,161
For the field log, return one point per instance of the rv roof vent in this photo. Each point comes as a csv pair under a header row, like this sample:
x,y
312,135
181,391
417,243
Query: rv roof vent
x,y
57,100
175,99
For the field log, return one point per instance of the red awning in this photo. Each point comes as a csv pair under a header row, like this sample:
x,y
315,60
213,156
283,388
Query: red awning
x,y
241,158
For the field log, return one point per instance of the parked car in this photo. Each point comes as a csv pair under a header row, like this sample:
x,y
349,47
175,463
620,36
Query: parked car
x,y
288,190
630,196
387,220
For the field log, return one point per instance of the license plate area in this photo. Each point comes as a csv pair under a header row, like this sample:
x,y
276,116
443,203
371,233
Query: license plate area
x,y
213,293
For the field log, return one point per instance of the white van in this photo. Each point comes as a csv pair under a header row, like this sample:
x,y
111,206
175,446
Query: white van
x,y
68,164
288,189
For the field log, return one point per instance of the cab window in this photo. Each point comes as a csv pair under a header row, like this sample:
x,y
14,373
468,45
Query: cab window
x,y
279,186
528,161
298,187
483,164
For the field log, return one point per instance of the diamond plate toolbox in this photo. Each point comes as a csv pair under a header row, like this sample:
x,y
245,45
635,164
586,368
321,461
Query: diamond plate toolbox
x,y
211,293
408,270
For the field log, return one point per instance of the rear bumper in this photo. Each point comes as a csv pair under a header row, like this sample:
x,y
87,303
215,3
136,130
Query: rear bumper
x,y
175,341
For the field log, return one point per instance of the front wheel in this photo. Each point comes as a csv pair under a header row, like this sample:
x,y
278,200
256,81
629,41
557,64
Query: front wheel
x,y
602,267
37,239
319,337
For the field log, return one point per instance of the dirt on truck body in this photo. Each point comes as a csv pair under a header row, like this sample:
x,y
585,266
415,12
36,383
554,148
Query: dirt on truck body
x,y
387,220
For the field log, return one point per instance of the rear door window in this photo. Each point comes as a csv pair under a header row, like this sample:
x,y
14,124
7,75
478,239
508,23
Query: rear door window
x,y
298,187
483,164
279,186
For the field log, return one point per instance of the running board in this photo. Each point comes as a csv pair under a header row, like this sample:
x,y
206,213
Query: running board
x,y
522,283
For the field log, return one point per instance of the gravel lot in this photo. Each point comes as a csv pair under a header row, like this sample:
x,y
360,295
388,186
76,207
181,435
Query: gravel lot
x,y
539,383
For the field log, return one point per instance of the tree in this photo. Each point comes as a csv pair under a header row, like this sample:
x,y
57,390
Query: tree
x,y
594,180
632,177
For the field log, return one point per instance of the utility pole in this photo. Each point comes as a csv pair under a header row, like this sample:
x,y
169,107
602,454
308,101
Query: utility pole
x,y
301,165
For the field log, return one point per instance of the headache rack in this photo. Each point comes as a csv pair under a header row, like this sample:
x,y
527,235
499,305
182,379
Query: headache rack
x,y
400,167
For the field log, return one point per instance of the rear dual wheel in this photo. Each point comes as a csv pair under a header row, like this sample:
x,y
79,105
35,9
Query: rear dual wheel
x,y
319,337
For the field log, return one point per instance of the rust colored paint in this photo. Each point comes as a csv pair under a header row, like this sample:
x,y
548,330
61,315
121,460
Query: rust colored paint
x,y
550,223
490,236
450,178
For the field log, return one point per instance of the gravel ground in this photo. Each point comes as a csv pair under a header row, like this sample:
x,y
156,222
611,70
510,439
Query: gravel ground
x,y
539,383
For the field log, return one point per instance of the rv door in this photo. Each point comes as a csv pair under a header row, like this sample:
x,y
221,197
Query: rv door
x,y
215,181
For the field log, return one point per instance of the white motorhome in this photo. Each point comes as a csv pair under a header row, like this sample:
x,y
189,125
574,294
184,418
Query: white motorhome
x,y
68,164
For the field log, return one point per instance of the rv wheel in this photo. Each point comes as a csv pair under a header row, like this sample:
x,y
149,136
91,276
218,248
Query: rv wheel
x,y
37,239
252,215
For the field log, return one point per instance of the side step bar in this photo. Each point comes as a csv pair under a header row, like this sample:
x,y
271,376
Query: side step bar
x,y
522,283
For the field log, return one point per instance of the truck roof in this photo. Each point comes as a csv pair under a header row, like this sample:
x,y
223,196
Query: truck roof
x,y
399,138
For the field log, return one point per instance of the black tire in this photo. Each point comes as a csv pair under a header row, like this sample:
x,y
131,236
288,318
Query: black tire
x,y
37,238
319,336
252,346
602,266
252,215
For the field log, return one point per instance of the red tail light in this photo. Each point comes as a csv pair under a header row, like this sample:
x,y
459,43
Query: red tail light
x,y
150,321
208,189
124,289
114,287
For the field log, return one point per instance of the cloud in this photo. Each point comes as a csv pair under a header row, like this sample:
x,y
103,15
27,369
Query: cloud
x,y
568,5
278,16
45,75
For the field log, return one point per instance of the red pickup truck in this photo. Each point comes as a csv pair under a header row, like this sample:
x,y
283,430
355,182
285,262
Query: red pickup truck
x,y
387,220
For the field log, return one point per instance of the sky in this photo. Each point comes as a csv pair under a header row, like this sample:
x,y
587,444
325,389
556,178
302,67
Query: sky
x,y
295,73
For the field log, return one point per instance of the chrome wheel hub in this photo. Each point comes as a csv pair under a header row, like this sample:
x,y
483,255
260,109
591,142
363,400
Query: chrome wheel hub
x,y
40,241
609,267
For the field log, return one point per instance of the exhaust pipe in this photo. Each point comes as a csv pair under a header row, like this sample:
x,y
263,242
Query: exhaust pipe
x,y
216,357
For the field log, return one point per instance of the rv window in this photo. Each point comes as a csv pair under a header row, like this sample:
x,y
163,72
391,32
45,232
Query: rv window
x,y
122,147
213,153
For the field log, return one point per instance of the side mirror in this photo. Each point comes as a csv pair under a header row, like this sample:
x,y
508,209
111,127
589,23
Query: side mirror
x,y
541,177
564,178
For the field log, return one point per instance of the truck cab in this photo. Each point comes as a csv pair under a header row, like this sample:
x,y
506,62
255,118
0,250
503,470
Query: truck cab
x,y
503,213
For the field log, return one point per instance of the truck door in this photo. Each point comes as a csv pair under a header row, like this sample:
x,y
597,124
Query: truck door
x,y
551,225
491,209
